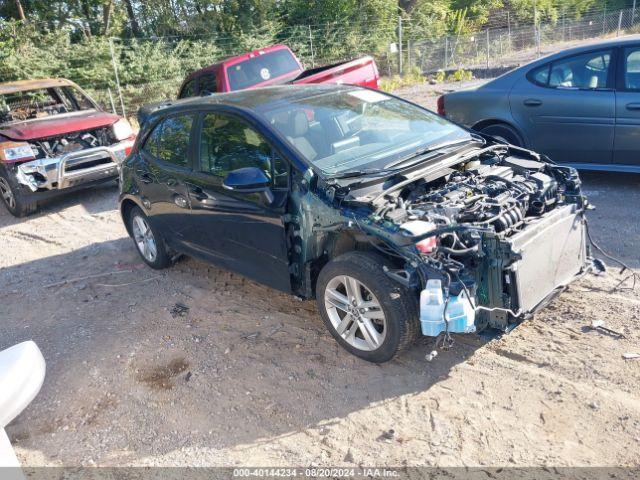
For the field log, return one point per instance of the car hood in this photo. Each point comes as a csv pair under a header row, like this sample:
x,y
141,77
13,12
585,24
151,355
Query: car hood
x,y
57,125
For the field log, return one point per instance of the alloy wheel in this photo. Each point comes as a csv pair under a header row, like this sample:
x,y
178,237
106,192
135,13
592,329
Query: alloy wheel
x,y
144,238
7,194
355,313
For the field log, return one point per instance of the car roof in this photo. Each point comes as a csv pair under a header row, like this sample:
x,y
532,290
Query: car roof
x,y
507,79
615,42
255,99
24,85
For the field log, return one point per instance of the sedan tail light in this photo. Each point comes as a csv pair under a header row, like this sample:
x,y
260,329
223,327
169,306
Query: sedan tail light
x,y
441,110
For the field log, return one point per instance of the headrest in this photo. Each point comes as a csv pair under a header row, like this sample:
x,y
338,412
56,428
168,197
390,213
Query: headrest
x,y
298,123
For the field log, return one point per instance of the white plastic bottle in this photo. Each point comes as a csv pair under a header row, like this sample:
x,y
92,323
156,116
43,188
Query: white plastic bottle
x,y
432,308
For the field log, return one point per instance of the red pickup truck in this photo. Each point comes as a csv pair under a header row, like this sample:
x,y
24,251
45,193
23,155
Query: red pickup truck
x,y
275,65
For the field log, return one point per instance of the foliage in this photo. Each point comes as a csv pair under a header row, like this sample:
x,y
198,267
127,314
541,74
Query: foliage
x,y
413,77
460,75
157,42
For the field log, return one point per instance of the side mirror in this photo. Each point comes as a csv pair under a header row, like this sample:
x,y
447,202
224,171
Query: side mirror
x,y
247,180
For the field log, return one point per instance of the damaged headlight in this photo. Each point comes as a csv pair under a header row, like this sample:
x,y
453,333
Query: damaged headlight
x,y
14,152
121,130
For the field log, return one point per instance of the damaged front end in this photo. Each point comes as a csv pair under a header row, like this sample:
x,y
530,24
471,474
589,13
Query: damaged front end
x,y
68,161
485,238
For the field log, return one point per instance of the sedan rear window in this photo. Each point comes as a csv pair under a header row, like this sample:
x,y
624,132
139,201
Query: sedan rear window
x,y
261,69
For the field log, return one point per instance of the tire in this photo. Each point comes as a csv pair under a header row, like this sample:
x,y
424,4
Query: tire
x,y
13,198
398,306
148,241
505,133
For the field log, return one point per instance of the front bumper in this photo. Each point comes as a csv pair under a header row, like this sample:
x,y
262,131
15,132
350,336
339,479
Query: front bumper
x,y
515,276
531,266
73,169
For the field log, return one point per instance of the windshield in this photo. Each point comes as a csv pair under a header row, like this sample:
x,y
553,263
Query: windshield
x,y
41,103
359,129
261,69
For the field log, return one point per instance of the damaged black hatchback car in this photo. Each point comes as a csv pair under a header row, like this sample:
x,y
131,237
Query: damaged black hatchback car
x,y
397,221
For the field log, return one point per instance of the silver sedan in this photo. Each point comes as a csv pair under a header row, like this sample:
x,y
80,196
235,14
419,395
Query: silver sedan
x,y
579,106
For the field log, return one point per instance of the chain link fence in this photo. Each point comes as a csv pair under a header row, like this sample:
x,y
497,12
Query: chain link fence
x,y
495,48
485,53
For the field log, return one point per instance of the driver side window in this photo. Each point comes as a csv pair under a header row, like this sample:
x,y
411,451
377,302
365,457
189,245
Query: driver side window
x,y
228,143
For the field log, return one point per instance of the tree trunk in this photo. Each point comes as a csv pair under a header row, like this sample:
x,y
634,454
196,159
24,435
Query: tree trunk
x,y
407,5
20,11
135,26
107,10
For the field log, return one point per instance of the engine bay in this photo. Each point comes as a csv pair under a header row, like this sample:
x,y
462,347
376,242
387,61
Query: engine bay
x,y
72,142
502,194
468,230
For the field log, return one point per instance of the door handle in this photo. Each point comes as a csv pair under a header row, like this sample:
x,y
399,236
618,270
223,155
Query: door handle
x,y
145,177
532,102
633,106
198,193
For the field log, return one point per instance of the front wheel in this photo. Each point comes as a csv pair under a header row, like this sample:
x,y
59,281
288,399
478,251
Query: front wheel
x,y
13,199
370,315
149,243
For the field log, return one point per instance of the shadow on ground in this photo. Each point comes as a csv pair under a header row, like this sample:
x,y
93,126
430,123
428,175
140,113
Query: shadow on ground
x,y
131,375
128,369
98,199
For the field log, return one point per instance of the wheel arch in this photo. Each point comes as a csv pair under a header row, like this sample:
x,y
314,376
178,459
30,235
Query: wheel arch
x,y
126,205
498,121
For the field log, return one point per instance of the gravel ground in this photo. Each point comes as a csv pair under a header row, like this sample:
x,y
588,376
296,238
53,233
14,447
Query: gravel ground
x,y
249,376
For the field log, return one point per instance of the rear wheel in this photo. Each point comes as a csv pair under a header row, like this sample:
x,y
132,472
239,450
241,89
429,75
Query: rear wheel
x,y
369,314
504,133
149,243
13,198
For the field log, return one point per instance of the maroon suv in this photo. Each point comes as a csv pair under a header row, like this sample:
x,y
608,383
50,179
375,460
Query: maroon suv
x,y
54,138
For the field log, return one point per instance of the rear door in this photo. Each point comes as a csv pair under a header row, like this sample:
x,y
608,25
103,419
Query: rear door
x,y
566,108
164,171
627,140
240,231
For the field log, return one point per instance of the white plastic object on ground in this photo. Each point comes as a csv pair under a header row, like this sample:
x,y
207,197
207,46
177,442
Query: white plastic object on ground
x,y
460,313
22,370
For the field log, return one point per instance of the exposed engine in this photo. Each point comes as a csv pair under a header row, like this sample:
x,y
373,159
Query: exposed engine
x,y
490,236
498,194
73,142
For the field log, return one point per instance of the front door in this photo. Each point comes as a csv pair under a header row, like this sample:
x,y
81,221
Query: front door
x,y
627,143
567,108
163,172
240,231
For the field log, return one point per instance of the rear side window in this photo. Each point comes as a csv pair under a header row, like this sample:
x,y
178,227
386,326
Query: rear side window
x,y
540,76
170,139
632,68
189,89
586,71
261,69
208,84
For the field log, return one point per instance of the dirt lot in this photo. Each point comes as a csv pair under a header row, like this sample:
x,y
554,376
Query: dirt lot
x,y
249,376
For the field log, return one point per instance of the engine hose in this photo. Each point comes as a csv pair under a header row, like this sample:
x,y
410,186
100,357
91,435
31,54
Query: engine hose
x,y
462,251
624,266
